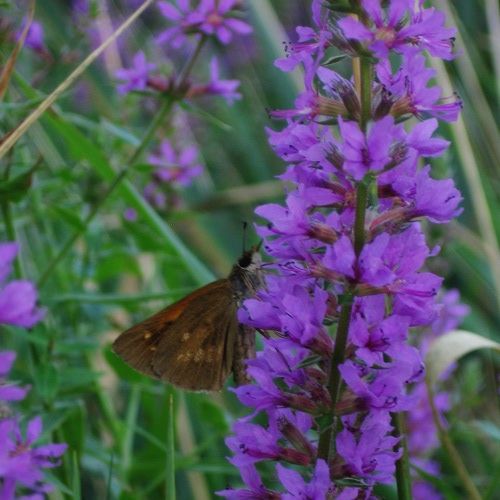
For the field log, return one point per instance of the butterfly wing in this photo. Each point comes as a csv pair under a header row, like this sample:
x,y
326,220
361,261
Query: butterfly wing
x,y
197,351
189,343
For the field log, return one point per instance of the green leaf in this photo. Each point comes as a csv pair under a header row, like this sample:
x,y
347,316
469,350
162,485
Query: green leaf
x,y
115,264
74,428
67,215
47,381
16,188
77,378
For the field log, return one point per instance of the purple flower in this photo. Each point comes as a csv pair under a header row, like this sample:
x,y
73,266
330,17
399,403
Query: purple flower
x,y
176,167
17,298
35,37
311,44
225,88
255,488
401,29
296,487
370,153
136,77
9,392
213,18
130,214
209,17
371,454
437,200
175,35
21,464
410,93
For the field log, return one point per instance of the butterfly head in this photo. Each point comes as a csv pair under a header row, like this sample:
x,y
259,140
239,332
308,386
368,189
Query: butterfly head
x,y
246,275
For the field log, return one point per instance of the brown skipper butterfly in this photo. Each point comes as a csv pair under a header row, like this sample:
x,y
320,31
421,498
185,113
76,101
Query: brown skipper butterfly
x,y
197,342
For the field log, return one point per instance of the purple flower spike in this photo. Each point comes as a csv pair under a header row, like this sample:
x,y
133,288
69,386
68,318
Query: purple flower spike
x,y
22,464
349,256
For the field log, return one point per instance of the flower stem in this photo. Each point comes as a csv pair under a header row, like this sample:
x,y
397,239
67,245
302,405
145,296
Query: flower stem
x,y
403,477
327,436
326,443
161,116
366,92
359,221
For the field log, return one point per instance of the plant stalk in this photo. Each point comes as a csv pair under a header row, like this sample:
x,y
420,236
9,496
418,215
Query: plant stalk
x,y
403,478
327,437
447,444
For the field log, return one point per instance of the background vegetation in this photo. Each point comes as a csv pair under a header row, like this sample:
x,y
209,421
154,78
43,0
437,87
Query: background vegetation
x,y
122,427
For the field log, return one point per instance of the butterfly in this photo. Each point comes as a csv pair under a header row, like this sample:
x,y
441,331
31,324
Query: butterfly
x,y
197,342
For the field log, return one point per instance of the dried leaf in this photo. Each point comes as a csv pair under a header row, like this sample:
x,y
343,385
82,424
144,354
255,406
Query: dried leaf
x,y
11,61
451,347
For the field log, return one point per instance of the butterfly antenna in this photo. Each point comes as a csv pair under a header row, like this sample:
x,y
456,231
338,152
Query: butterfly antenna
x,y
245,225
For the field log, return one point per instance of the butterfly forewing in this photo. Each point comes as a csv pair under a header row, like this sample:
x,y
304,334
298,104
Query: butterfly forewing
x,y
189,343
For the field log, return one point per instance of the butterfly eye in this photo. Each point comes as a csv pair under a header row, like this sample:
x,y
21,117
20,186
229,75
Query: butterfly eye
x,y
245,260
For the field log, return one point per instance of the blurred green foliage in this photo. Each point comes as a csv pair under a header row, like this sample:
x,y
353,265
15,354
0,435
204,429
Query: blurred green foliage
x,y
117,272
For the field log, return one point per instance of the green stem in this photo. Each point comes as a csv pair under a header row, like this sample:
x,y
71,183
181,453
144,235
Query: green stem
x,y
334,380
366,92
447,444
403,477
130,426
170,458
359,221
160,117
326,443
11,235
186,70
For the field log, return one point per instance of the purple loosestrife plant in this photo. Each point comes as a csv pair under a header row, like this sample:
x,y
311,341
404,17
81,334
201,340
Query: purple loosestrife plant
x,y
200,21
349,257
21,463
